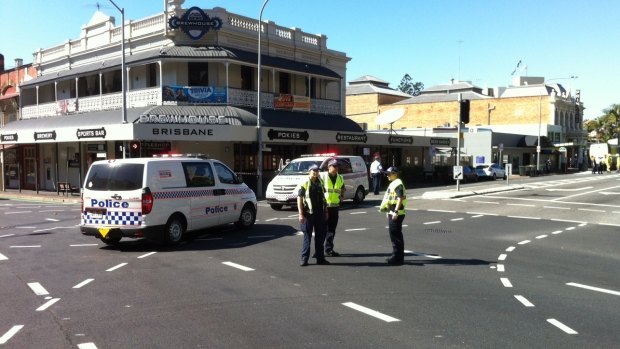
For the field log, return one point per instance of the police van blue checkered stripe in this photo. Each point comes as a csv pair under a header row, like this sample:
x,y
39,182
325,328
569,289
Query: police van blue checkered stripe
x,y
115,218
181,194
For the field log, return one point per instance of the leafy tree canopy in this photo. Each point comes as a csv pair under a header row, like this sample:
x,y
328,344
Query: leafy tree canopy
x,y
408,86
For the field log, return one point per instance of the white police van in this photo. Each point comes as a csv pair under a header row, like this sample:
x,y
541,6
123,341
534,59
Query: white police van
x,y
162,198
281,191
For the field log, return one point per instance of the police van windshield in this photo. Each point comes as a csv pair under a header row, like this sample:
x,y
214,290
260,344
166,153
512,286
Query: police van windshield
x,y
299,167
114,177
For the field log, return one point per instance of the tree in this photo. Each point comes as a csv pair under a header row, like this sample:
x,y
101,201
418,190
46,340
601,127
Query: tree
x,y
409,87
613,118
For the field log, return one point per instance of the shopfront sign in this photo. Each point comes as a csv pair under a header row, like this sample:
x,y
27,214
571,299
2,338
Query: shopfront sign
x,y
183,119
91,133
195,94
351,137
288,135
292,102
400,140
11,137
440,141
45,136
195,23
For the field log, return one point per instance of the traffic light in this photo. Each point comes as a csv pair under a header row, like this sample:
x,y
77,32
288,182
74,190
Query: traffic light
x,y
464,112
134,149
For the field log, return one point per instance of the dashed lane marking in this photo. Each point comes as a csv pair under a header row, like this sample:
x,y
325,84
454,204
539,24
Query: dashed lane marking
x,y
502,257
434,222
590,210
483,214
592,288
358,212
238,266
89,345
83,245
117,266
24,246
52,219
523,242
17,212
541,236
487,202
444,211
500,268
556,232
146,255
270,219
524,205
48,304
10,333
6,235
561,326
355,229
566,220
525,217
524,301
456,219
505,282
370,312
510,249
557,208
37,288
83,283
3,257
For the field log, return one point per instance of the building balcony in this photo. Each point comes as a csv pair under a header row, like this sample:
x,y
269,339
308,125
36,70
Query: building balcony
x,y
154,96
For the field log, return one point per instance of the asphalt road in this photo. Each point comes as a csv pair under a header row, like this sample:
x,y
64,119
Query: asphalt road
x,y
536,267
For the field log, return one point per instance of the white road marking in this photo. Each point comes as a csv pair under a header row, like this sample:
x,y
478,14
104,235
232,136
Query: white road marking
x,y
358,213
609,193
24,246
37,288
523,242
584,224
3,257
566,220
571,189
6,236
25,227
238,266
610,224
541,236
483,214
52,211
524,217
505,282
592,288
445,211
48,304
82,245
116,267
557,208
561,326
435,222
510,249
590,210
500,268
556,232
524,301
89,345
370,312
17,212
570,228
456,219
355,229
478,215
83,283
502,257
52,219
10,333
270,219
40,230
524,205
146,255
487,202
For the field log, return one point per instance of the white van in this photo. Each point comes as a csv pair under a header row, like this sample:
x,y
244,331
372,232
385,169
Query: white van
x,y
281,190
162,198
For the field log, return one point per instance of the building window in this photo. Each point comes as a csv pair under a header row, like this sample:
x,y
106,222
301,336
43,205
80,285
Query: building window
x,y
247,78
198,73
152,75
285,82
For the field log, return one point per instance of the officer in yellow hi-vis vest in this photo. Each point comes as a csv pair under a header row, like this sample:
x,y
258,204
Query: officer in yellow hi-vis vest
x,y
393,204
312,210
334,193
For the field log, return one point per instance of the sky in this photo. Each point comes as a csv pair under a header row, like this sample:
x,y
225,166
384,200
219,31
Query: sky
x,y
480,41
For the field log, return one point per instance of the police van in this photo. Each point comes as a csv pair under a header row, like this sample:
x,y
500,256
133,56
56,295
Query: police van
x,y
281,191
162,198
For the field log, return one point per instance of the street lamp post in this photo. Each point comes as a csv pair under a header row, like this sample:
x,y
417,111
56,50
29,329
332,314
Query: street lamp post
x,y
259,137
123,78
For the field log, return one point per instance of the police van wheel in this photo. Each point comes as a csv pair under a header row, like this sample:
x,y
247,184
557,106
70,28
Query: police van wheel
x,y
276,207
247,217
175,229
359,195
112,241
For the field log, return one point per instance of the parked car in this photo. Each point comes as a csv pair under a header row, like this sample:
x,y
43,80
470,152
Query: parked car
x,y
493,170
469,174
482,175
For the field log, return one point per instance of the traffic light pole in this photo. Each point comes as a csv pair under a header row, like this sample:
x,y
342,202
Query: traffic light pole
x,y
458,141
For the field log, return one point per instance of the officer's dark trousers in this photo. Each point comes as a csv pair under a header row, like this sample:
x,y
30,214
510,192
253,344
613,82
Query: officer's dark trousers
x,y
313,222
376,182
332,222
396,236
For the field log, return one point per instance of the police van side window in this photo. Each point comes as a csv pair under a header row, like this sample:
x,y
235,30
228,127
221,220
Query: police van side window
x,y
198,175
344,166
224,174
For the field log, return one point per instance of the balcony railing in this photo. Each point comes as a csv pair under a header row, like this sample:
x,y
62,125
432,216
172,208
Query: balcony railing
x,y
152,97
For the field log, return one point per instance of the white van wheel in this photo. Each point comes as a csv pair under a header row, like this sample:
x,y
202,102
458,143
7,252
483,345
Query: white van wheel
x,y
247,217
175,229
359,195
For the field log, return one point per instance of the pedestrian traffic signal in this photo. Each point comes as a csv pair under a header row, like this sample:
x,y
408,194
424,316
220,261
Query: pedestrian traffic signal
x,y
464,111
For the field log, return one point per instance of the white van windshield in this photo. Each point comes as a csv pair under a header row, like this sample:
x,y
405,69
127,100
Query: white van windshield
x,y
299,167
115,177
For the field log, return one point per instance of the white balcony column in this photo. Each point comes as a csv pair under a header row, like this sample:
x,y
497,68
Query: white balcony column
x,y
226,64
37,88
76,88
56,91
100,91
273,81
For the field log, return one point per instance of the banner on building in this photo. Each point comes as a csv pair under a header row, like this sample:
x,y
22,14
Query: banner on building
x,y
291,102
195,94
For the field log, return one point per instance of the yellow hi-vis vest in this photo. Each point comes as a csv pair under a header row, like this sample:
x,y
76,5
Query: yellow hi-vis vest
x,y
333,191
390,198
307,200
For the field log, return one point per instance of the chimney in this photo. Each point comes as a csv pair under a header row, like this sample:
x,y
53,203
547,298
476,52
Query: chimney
x,y
1,62
18,62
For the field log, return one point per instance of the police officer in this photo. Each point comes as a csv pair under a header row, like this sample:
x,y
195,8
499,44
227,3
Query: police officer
x,y
334,193
393,204
312,211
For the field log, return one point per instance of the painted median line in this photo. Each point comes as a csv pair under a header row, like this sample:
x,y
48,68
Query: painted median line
x,y
592,288
38,289
83,283
561,326
48,304
117,266
370,312
10,333
238,266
